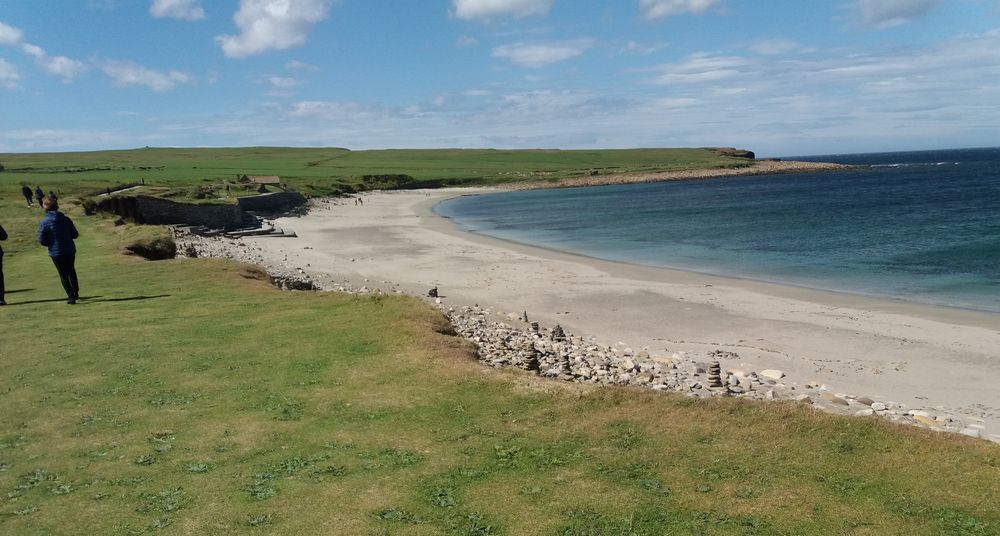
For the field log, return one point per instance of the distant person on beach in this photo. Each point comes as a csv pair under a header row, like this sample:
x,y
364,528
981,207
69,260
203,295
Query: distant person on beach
x,y
26,192
57,232
3,236
39,195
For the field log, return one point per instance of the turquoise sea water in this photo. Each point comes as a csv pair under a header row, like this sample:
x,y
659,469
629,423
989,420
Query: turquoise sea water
x,y
921,226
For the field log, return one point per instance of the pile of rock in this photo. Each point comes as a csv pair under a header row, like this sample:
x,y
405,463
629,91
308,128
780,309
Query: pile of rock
x,y
554,353
222,247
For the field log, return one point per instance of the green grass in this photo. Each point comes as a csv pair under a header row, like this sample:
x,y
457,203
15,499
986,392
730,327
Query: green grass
x,y
177,173
190,397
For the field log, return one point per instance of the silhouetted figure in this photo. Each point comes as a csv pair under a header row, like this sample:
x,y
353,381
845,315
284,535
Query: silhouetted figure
x,y
39,195
26,192
3,236
57,232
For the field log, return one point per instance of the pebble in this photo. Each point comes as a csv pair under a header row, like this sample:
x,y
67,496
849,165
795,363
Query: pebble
x,y
772,374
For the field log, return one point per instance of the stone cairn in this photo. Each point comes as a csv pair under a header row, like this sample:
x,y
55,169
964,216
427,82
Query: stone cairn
x,y
530,356
714,374
558,334
534,328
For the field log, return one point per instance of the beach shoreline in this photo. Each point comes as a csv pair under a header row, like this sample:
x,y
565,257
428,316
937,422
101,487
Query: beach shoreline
x,y
934,360
754,168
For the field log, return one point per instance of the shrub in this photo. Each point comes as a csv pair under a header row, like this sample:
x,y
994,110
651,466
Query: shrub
x,y
155,249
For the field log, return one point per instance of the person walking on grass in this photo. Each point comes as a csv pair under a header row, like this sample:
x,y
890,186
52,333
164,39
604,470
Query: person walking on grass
x,y
39,195
3,236
57,232
26,192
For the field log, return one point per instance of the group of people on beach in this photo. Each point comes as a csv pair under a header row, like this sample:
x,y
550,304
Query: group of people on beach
x,y
56,232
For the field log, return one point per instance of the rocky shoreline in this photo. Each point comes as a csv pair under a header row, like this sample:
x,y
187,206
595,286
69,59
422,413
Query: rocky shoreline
x,y
512,340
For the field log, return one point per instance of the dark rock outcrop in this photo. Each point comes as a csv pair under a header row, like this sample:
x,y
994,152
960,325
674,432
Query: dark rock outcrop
x,y
734,152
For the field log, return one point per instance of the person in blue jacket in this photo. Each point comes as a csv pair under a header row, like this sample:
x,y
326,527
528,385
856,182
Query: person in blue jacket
x,y
3,236
57,232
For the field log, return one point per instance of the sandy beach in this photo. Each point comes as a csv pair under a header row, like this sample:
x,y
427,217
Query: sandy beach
x,y
930,357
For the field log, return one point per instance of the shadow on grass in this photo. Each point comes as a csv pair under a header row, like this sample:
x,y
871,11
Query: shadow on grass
x,y
19,290
98,299
94,299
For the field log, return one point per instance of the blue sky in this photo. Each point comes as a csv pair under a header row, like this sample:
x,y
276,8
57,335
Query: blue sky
x,y
780,77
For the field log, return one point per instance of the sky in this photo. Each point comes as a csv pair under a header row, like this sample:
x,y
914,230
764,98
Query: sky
x,y
780,77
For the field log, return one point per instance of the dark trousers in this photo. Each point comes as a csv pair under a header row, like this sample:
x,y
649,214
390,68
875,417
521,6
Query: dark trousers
x,y
1,276
67,274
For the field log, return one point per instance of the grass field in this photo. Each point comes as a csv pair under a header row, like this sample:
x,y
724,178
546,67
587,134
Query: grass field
x,y
326,171
191,397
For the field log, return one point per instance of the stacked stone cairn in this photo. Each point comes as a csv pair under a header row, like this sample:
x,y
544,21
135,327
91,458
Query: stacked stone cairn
x,y
558,335
714,375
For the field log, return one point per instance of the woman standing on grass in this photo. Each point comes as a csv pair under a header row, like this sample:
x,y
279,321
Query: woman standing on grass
x,y
3,236
57,232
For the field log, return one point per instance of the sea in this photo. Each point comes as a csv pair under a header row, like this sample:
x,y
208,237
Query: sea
x,y
918,226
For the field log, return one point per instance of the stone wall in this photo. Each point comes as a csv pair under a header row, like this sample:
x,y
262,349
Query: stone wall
x,y
156,211
273,202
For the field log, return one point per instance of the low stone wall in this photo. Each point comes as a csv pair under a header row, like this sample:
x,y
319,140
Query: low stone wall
x,y
156,211
273,202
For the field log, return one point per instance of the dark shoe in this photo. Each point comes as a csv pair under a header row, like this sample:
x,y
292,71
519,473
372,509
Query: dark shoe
x,y
71,301
3,302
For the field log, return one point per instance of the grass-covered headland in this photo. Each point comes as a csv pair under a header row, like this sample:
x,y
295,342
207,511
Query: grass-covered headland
x,y
191,397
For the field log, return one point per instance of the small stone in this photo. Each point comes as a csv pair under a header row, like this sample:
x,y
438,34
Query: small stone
x,y
826,395
927,421
865,412
878,406
771,374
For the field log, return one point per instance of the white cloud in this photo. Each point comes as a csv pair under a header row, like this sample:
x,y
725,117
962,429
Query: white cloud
x,y
634,47
9,35
466,41
177,9
658,9
296,65
540,55
127,73
61,66
280,86
888,13
770,47
9,77
333,111
66,68
704,68
487,9
282,82
272,25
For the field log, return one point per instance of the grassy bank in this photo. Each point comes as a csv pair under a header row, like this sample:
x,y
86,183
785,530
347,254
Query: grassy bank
x,y
178,172
191,397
